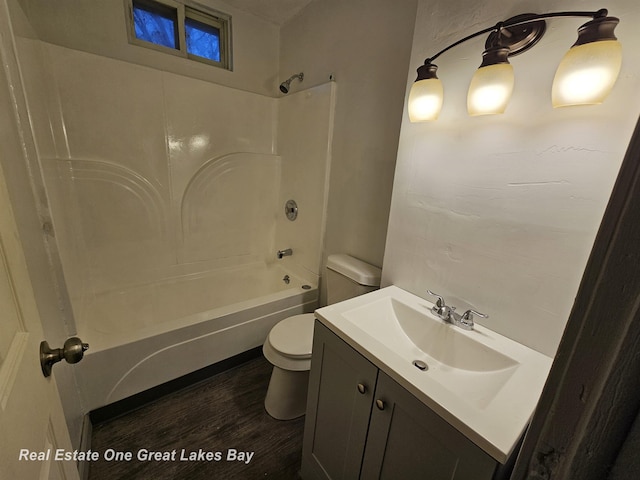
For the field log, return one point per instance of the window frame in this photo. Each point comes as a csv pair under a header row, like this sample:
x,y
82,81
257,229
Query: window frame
x,y
196,12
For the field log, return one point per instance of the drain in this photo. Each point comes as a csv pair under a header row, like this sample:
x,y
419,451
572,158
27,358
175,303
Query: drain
x,y
419,364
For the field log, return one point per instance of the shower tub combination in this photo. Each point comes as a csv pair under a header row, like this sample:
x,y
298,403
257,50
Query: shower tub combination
x,y
158,332
168,222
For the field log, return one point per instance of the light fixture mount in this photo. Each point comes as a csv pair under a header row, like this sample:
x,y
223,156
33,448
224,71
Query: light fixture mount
x,y
518,33
598,29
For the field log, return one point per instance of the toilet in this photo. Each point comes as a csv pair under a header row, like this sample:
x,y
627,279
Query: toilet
x,y
288,345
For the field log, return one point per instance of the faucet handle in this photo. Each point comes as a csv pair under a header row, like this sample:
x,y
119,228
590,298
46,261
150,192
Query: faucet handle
x,y
441,309
467,317
440,302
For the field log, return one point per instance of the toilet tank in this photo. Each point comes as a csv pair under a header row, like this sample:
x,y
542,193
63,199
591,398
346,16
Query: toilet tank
x,y
348,277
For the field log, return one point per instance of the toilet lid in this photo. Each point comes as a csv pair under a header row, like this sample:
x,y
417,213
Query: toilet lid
x,y
293,336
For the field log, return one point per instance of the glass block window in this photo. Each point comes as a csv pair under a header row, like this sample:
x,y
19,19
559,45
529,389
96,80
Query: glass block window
x,y
176,28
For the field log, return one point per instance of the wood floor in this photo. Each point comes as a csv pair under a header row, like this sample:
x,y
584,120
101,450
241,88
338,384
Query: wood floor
x,y
223,415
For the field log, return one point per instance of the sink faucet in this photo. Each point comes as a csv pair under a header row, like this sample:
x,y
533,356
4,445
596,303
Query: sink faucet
x,y
448,314
284,253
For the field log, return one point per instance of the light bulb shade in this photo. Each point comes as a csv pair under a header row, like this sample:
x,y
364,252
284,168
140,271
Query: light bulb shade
x,y
426,95
490,89
587,73
425,100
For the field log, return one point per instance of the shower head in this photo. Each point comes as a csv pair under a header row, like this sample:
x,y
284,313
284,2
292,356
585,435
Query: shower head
x,y
284,86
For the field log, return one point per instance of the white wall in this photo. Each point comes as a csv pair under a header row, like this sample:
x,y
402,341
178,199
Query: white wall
x,y
99,27
365,45
500,212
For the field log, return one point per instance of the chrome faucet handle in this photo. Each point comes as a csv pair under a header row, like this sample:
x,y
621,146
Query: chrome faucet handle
x,y
441,309
440,302
467,317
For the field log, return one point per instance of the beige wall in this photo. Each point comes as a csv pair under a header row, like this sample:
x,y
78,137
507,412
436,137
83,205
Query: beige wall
x,y
500,212
365,45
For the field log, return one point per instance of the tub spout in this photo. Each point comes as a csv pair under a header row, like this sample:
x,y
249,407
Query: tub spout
x,y
284,253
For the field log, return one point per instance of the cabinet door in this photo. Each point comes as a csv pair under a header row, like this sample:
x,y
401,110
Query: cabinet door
x,y
338,409
407,440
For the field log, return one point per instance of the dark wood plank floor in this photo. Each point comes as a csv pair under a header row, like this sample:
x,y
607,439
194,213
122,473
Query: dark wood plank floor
x,y
221,415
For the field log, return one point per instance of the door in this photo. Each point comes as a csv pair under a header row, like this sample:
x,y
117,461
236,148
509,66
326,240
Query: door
x,y
31,418
408,440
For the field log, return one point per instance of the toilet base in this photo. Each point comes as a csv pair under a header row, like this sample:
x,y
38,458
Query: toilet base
x,y
287,394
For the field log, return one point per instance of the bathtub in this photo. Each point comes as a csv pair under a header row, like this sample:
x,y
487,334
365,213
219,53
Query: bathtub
x,y
150,334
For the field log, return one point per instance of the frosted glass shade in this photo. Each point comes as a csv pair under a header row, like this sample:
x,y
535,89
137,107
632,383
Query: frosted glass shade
x,y
425,100
587,73
490,89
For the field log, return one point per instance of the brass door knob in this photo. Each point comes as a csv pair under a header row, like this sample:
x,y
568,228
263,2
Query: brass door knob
x,y
72,351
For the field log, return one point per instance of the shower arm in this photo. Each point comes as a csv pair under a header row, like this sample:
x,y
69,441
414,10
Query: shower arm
x,y
299,76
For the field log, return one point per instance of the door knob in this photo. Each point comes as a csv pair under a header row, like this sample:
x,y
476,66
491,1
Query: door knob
x,y
380,404
72,351
362,388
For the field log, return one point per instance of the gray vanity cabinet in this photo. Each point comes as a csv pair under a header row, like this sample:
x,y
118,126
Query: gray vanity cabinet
x,y
380,431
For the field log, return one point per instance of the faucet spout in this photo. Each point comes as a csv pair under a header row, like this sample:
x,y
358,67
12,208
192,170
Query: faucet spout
x,y
284,253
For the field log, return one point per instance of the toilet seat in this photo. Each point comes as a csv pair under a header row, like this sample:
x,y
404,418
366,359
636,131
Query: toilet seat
x,y
289,343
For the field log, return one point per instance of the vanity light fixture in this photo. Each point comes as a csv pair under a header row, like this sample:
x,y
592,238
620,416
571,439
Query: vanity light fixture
x,y
585,75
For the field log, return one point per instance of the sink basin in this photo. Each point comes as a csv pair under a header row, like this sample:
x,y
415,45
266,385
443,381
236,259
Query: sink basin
x,y
482,383
416,332
455,359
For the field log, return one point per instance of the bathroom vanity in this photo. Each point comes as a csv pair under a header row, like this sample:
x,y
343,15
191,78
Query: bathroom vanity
x,y
370,417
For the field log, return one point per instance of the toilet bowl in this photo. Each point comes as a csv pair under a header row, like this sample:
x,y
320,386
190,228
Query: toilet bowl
x,y
288,345
288,348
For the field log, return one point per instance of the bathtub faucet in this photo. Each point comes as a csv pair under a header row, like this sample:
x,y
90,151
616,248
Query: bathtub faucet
x,y
284,253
